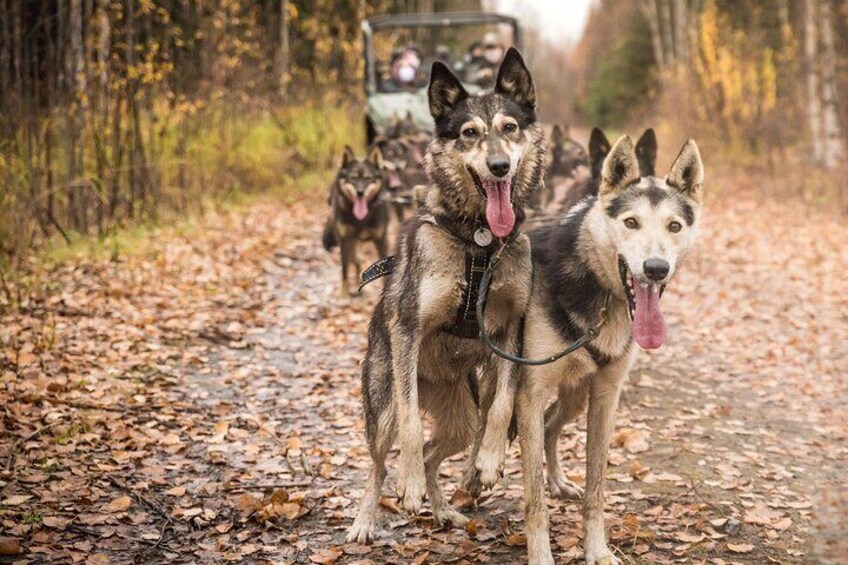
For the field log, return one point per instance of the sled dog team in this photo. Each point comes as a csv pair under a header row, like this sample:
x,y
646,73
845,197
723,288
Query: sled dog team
x,y
598,270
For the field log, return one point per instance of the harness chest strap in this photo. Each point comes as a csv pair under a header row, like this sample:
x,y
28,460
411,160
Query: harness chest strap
x,y
476,261
465,324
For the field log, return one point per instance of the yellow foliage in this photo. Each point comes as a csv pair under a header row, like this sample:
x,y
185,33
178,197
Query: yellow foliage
x,y
738,85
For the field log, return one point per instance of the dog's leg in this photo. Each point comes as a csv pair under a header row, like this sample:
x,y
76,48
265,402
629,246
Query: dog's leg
x,y
531,431
490,460
357,265
405,345
569,405
362,530
604,390
471,476
347,251
382,244
455,423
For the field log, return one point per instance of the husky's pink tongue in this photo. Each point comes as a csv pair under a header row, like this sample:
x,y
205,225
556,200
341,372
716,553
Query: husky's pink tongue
x,y
360,208
394,179
649,329
499,212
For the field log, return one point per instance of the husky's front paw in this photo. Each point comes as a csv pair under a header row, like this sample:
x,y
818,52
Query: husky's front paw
x,y
411,489
362,530
562,488
602,557
447,515
490,465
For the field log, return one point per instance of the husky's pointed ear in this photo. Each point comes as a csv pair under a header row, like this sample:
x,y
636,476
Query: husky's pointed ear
x,y
687,172
347,157
620,167
445,91
376,157
515,82
646,153
599,148
557,135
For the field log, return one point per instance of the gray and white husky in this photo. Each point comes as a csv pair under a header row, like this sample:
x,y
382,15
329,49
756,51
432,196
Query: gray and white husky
x,y
611,256
485,161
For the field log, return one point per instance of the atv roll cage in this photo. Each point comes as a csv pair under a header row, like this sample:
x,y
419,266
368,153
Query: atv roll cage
x,y
378,23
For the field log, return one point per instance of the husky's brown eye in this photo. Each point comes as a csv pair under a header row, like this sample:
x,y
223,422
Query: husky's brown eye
x,y
469,132
510,128
631,223
674,227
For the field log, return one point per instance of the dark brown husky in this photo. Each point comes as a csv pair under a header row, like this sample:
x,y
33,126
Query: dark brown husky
x,y
485,161
358,211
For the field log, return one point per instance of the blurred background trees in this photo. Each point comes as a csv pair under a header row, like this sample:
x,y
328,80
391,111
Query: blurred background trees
x,y
114,111
758,80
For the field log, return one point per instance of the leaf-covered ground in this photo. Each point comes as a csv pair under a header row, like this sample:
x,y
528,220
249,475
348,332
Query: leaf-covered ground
x,y
199,403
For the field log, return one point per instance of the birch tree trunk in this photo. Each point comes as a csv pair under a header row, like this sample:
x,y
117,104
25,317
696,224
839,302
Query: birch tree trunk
x,y
5,42
283,50
103,45
834,143
681,35
75,66
814,110
649,10
665,27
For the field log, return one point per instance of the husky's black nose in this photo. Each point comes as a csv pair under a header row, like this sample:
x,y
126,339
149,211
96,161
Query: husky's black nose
x,y
656,269
498,165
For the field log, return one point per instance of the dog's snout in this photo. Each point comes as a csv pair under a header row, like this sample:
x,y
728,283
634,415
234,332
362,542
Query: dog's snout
x,y
499,165
656,269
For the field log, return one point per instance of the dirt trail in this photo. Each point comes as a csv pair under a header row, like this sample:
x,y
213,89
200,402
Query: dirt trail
x,y
201,405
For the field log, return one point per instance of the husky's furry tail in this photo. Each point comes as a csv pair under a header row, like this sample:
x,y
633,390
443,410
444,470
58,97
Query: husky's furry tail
x,y
328,238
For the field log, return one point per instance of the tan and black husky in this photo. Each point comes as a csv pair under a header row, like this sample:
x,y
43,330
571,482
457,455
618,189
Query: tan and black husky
x,y
423,351
613,253
358,211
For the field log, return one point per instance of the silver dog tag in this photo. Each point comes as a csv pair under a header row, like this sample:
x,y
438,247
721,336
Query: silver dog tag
x,y
483,237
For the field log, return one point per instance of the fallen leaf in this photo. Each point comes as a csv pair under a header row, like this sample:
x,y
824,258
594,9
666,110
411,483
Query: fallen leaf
x,y
16,499
740,547
516,540
761,515
634,441
120,504
325,556
462,500
247,502
357,549
10,546
55,522
390,503
689,537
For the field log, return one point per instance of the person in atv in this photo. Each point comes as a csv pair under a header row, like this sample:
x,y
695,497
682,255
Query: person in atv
x,y
403,69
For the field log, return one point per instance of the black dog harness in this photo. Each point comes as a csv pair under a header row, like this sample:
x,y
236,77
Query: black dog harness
x,y
478,255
